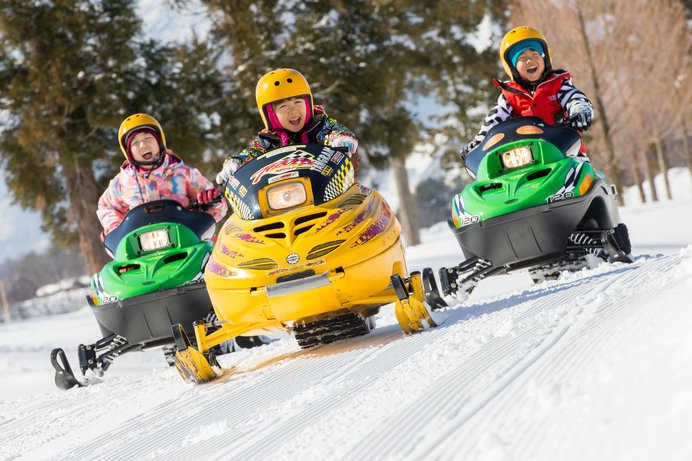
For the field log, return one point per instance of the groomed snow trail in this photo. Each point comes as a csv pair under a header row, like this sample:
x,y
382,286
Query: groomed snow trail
x,y
529,375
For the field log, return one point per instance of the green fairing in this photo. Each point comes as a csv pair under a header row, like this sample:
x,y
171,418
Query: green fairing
x,y
497,191
154,272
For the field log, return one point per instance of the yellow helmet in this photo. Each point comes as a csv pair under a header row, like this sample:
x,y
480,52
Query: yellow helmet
x,y
135,123
277,85
514,37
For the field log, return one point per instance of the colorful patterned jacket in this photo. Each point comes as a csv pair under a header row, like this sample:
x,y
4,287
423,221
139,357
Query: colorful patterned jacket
x,y
133,186
322,129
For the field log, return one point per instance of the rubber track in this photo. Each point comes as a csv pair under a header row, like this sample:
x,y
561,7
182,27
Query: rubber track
x,y
330,330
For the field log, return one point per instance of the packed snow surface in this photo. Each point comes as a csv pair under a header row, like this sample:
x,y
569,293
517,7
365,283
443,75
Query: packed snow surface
x,y
596,365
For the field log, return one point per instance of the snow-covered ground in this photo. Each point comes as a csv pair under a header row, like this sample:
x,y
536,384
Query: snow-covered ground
x,y
596,365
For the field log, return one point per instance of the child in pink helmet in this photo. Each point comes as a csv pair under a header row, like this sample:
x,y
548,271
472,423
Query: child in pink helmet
x,y
285,103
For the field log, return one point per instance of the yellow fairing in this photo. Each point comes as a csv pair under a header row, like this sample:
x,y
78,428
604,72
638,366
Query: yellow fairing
x,y
306,264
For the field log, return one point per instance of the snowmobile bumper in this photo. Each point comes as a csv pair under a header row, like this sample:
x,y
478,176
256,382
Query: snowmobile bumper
x,y
358,287
147,319
539,232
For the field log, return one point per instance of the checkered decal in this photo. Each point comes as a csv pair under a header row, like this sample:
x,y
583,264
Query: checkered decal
x,y
342,180
299,154
572,179
239,207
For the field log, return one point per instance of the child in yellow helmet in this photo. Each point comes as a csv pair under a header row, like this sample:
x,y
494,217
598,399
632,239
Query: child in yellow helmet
x,y
285,104
151,172
535,88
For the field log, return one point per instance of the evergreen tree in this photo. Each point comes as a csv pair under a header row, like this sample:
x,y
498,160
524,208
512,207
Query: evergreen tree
x,y
456,60
364,59
70,72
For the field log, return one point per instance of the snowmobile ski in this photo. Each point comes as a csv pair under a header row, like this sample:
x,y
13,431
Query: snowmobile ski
x,y
64,377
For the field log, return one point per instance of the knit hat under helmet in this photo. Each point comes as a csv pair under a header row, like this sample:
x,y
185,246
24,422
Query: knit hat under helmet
x,y
514,52
135,124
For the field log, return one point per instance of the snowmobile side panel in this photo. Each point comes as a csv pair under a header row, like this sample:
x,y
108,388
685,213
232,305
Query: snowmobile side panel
x,y
148,318
533,233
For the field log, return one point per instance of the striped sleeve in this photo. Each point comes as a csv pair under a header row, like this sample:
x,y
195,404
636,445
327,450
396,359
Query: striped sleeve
x,y
571,98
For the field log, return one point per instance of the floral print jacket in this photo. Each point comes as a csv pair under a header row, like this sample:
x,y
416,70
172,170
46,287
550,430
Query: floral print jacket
x,y
133,186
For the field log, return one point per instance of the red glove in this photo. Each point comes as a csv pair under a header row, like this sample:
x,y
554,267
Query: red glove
x,y
103,237
208,195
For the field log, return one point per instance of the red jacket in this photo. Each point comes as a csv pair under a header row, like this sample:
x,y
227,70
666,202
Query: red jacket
x,y
543,103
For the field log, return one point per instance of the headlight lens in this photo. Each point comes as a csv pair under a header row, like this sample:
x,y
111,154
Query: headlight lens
x,y
287,195
517,157
154,240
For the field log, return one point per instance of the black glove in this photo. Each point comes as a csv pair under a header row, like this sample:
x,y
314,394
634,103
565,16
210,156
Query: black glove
x,y
580,117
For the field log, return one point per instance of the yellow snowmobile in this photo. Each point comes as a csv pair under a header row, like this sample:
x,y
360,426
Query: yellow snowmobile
x,y
307,250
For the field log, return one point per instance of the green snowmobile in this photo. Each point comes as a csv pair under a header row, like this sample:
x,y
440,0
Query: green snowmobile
x,y
156,280
532,205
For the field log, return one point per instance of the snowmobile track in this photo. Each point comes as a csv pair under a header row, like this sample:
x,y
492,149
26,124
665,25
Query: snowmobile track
x,y
234,405
510,374
487,371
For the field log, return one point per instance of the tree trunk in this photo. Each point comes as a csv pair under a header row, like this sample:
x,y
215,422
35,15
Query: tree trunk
x,y
649,177
662,165
686,143
408,214
662,161
610,169
637,175
5,304
84,194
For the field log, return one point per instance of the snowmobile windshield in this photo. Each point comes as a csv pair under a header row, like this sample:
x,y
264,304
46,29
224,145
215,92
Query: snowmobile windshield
x,y
289,177
155,212
517,129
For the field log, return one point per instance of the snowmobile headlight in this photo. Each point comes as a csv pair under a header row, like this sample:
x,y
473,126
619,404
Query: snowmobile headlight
x,y
286,195
154,240
517,157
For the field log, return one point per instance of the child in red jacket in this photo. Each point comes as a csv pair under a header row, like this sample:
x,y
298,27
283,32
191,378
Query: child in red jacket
x,y
535,88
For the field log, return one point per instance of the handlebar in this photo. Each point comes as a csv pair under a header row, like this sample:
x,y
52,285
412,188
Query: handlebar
x,y
566,121
206,206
